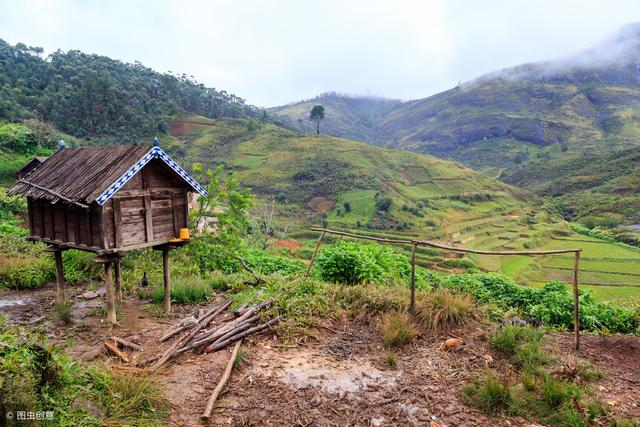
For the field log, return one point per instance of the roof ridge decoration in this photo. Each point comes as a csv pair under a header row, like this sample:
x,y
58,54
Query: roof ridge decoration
x,y
155,152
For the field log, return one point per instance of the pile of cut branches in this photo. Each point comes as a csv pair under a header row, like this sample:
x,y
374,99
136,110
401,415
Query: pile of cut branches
x,y
194,333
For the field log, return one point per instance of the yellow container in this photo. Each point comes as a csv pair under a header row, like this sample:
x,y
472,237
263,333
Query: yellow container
x,y
184,234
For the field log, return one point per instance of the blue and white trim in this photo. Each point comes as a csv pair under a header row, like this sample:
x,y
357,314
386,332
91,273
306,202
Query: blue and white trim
x,y
155,152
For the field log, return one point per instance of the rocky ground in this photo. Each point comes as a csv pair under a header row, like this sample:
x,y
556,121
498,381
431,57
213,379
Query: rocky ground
x,y
339,374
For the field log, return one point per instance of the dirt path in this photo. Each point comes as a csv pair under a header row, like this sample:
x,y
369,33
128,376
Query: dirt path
x,y
338,375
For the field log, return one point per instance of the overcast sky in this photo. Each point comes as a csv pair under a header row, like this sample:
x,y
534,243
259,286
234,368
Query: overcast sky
x,y
279,51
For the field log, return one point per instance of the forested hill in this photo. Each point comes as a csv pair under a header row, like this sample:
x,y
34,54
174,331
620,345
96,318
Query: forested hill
x,y
91,95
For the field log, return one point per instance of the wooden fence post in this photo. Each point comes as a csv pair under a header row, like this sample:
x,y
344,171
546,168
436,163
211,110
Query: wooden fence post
x,y
413,278
576,303
315,253
167,283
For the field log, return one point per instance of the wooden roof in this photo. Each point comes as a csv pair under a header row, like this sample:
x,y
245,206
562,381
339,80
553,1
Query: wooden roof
x,y
84,175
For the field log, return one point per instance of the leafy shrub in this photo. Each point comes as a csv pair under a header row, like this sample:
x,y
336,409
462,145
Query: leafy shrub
x,y
397,329
26,272
351,262
552,304
457,263
267,263
489,394
79,266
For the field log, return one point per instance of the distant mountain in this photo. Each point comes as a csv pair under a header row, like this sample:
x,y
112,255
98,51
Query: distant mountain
x,y
95,96
585,104
346,116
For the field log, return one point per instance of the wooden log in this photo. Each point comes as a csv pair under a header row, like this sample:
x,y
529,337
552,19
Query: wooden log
x,y
222,329
222,344
169,353
114,350
413,279
220,335
223,381
125,343
166,282
315,253
111,301
60,285
176,331
118,273
576,301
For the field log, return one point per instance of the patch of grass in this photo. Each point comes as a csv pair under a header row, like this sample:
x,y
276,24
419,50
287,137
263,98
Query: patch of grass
x,y
38,377
183,291
397,329
521,344
555,393
63,312
490,394
442,310
620,422
391,359
367,301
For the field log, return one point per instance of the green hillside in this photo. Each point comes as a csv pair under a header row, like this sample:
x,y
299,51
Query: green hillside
x,y
538,126
312,179
346,116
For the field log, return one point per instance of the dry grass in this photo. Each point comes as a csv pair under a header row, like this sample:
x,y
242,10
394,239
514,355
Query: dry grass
x,y
397,329
441,310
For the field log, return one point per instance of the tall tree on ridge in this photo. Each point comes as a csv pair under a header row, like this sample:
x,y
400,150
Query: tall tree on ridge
x,y
317,114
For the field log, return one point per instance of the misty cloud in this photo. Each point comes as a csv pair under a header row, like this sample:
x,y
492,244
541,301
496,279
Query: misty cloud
x,y
274,52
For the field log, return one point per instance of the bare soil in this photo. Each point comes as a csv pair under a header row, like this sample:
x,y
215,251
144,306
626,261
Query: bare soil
x,y
339,374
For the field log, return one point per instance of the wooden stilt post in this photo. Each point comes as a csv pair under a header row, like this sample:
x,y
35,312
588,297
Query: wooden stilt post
x,y
413,278
111,301
60,285
118,274
315,253
576,302
167,283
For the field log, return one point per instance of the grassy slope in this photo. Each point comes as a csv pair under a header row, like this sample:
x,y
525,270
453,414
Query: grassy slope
x,y
316,175
345,116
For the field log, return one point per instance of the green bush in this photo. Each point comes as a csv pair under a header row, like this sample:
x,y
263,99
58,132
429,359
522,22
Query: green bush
x,y
351,262
26,273
267,263
79,266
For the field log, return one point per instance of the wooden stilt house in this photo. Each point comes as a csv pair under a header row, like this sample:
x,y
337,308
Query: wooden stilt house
x,y
108,200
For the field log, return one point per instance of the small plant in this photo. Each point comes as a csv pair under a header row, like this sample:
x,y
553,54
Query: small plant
x,y
241,356
555,393
391,359
529,381
63,312
489,394
397,329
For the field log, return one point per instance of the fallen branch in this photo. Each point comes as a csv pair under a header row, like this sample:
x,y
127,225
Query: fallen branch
x,y
208,317
223,381
257,280
124,343
219,345
114,350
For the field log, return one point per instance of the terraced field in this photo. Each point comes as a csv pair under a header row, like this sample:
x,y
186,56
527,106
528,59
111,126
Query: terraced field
x,y
323,180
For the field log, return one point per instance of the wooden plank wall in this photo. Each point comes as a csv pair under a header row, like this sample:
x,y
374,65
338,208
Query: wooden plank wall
x,y
65,223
